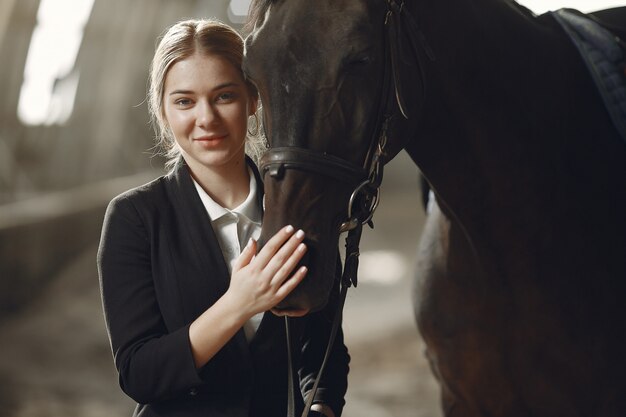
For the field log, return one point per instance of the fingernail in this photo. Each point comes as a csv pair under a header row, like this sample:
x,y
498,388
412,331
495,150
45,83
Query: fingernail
x,y
300,234
289,229
303,269
249,243
301,247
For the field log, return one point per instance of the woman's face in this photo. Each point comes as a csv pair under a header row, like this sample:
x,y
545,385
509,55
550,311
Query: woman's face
x,y
206,104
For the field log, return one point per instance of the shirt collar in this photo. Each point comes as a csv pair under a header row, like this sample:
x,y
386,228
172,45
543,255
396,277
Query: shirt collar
x,y
249,208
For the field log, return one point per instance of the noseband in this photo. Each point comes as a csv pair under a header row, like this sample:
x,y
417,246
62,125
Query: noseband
x,y
360,211
366,178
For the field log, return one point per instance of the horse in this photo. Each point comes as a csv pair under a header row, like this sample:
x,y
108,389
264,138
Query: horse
x,y
521,276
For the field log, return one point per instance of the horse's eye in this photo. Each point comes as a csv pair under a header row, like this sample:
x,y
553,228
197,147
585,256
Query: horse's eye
x,y
360,61
356,64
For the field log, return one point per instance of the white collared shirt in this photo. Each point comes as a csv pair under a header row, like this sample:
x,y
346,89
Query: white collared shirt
x,y
233,228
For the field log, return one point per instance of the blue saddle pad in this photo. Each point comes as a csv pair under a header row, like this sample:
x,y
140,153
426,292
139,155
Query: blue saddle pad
x,y
604,58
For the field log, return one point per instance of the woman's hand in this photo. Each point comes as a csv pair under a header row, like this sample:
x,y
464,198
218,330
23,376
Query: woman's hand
x,y
257,284
260,282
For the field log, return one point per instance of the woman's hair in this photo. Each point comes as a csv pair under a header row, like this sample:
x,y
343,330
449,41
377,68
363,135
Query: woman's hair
x,y
181,41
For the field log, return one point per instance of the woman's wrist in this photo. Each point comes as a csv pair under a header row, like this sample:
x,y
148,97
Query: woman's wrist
x,y
213,329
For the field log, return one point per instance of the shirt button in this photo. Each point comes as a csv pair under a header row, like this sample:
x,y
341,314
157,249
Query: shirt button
x,y
193,392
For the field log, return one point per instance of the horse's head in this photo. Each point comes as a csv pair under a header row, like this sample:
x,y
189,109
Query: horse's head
x,y
322,69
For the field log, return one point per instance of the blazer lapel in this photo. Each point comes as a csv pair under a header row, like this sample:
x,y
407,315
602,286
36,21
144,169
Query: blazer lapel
x,y
203,290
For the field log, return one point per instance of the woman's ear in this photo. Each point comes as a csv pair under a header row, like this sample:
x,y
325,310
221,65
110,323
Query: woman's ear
x,y
254,103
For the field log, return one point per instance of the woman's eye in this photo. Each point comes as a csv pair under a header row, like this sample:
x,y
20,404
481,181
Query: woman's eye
x,y
182,102
226,97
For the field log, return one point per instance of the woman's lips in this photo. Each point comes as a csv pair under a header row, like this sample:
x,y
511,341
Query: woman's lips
x,y
210,141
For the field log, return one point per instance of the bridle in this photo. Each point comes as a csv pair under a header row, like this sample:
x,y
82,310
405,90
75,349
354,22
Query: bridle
x,y
365,178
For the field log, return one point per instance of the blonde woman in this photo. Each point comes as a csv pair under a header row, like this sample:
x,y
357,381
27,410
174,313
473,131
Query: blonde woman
x,y
184,291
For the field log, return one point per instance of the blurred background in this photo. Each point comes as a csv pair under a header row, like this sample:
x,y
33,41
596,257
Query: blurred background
x,y
74,132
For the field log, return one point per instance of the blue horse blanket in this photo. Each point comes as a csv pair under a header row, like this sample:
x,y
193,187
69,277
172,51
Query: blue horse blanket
x,y
604,57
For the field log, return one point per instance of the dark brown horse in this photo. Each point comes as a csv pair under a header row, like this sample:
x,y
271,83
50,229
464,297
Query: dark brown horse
x,y
522,268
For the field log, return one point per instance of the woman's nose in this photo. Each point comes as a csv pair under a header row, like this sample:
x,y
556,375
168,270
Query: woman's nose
x,y
205,114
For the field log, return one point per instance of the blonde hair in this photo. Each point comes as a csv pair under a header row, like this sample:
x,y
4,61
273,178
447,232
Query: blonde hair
x,y
182,41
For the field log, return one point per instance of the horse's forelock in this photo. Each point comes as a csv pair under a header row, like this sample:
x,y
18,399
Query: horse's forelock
x,y
256,13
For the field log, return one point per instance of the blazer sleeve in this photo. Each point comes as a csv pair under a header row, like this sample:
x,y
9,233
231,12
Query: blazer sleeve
x,y
334,383
153,364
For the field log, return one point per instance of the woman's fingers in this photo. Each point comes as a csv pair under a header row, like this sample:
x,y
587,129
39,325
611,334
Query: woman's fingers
x,y
273,245
245,256
266,278
291,283
284,253
287,262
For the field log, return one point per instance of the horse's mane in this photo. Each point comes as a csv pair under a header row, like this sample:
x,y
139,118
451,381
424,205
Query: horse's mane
x,y
525,11
258,8
256,13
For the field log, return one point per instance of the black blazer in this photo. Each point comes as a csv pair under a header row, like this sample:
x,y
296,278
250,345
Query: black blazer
x,y
160,267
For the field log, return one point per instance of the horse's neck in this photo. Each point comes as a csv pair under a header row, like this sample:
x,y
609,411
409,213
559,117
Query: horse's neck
x,y
515,140
483,99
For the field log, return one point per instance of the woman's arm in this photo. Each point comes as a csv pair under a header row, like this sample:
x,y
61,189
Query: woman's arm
x,y
153,362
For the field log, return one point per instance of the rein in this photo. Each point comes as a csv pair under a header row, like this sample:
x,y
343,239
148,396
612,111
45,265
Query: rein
x,y
348,278
366,178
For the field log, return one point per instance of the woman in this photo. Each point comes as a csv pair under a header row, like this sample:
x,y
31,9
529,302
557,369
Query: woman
x,y
184,291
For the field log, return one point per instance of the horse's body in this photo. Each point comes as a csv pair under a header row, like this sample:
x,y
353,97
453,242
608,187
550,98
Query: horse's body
x,y
522,265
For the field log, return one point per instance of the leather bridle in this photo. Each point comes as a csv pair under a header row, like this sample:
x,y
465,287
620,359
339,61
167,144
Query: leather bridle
x,y
366,178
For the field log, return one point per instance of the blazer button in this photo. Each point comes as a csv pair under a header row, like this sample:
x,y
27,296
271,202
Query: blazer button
x,y
193,392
